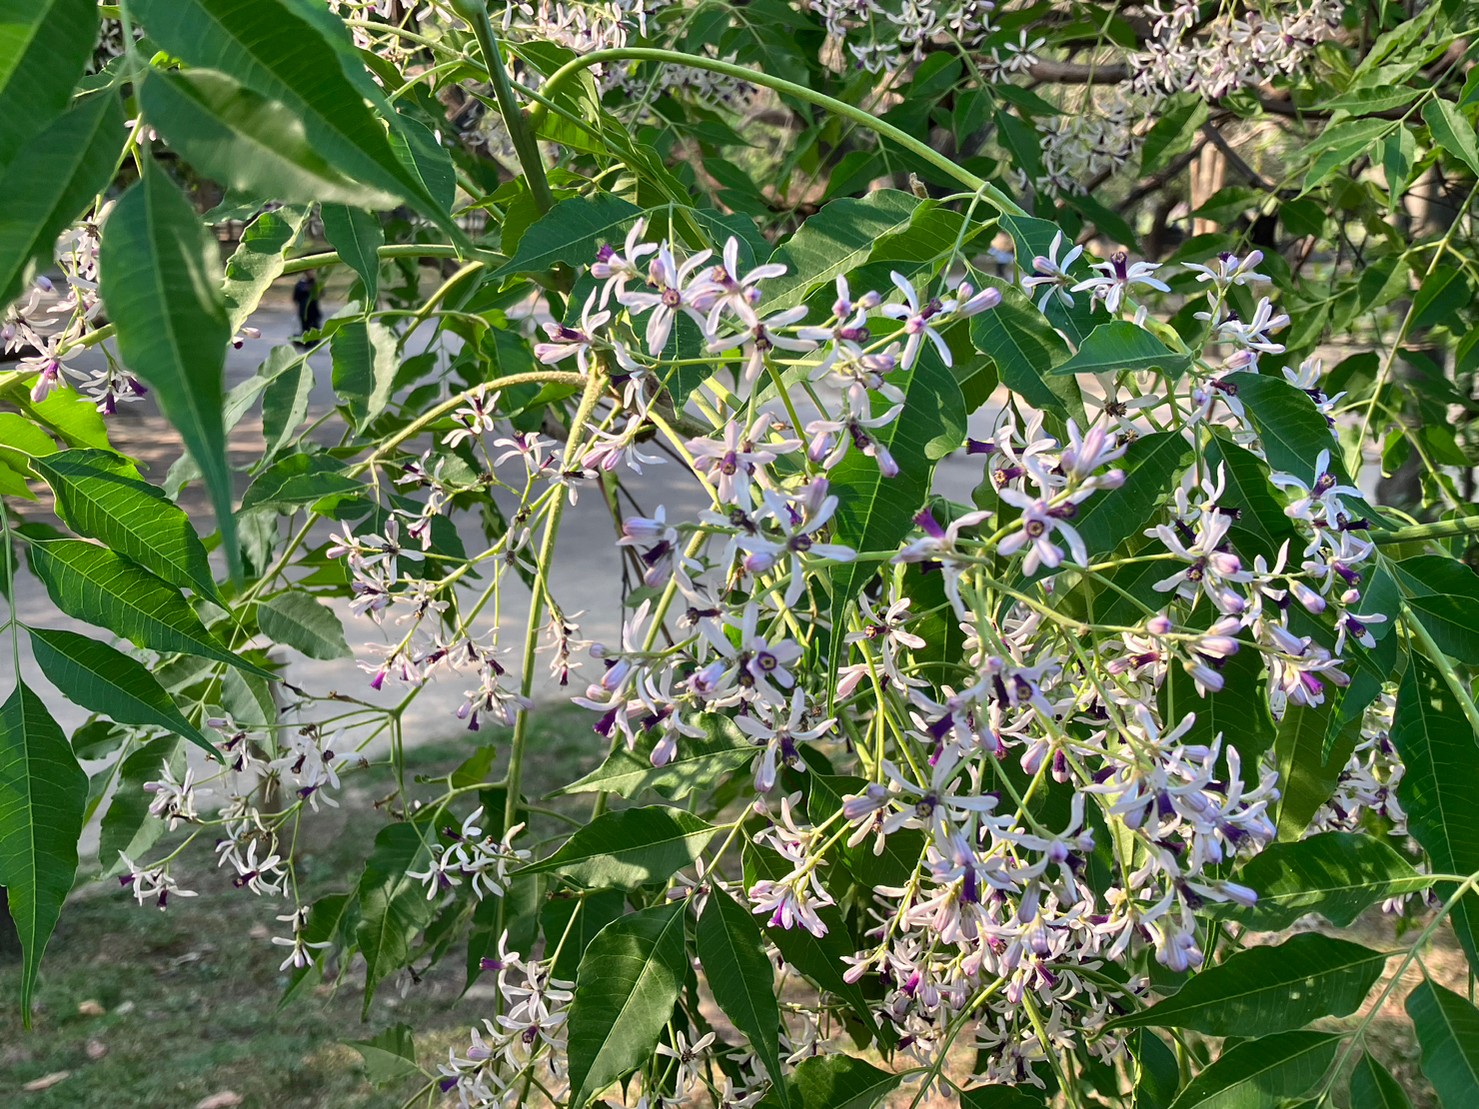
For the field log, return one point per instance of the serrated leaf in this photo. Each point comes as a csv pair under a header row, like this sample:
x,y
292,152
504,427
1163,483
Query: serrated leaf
x,y
258,261
100,495
60,171
1437,791
101,679
161,281
357,235
127,825
1107,519
1259,526
297,480
698,764
1256,1074
1373,1087
1335,874
364,361
836,1080
571,232
73,419
279,51
285,402
625,991
1452,132
1310,766
1025,348
571,923
393,907
742,979
43,793
1448,1029
835,241
818,958
1272,989
1291,428
1122,347
1034,237
245,141
1174,130
874,512
390,1056
44,47
1339,144
1443,593
629,848
299,621
92,584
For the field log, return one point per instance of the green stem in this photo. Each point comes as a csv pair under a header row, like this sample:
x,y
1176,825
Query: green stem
x,y
519,123
593,386
1440,660
994,196
1416,533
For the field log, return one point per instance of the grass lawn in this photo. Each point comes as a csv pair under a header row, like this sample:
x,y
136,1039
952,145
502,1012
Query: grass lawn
x,y
141,1008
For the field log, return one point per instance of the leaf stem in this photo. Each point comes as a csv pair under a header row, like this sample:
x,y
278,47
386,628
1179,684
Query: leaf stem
x,y
993,195
519,123
1414,533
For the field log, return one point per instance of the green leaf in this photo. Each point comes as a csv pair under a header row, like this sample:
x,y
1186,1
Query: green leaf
x,y
742,979
1034,237
837,1080
1443,593
999,1097
625,991
299,621
100,679
572,923
21,440
390,1056
699,763
1448,1029
1291,428
127,826
629,848
1308,773
1174,130
43,793
1452,132
285,400
1259,526
874,512
1373,1087
271,47
258,261
1335,874
162,283
246,142
1441,782
571,232
100,495
1122,347
92,584
835,241
1150,462
393,907
44,47
364,357
358,236
819,958
1256,1074
1025,348
297,480
1339,144
1272,989
59,173
72,418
